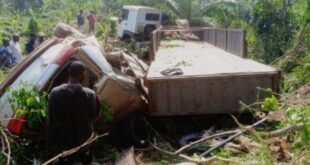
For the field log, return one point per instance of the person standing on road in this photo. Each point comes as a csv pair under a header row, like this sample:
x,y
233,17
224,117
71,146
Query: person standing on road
x,y
15,48
92,22
80,20
72,110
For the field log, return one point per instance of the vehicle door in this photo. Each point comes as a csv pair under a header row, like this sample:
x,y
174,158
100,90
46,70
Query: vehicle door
x,y
116,90
123,22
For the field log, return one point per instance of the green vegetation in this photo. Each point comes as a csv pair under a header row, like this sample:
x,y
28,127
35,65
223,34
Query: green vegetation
x,y
278,33
106,113
29,100
23,17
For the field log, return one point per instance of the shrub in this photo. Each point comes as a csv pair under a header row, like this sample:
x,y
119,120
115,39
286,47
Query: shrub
x,y
29,100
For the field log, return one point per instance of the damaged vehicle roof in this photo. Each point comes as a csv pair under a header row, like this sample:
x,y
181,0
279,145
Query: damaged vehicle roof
x,y
47,67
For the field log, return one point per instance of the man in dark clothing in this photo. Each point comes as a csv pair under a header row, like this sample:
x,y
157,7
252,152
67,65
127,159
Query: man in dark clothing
x,y
80,20
72,110
31,44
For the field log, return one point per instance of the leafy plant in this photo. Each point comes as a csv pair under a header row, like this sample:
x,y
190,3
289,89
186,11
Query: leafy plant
x,y
299,73
29,100
267,104
274,34
106,112
34,26
299,114
112,27
270,104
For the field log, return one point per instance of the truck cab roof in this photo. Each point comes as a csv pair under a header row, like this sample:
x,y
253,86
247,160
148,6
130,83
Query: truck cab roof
x,y
134,7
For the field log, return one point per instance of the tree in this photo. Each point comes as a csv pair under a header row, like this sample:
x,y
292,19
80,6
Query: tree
x,y
274,27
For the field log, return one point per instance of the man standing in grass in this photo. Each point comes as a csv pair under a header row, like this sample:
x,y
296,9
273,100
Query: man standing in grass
x,y
15,48
80,20
72,110
92,22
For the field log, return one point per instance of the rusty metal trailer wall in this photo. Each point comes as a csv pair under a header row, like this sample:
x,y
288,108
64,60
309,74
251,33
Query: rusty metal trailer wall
x,y
230,40
206,95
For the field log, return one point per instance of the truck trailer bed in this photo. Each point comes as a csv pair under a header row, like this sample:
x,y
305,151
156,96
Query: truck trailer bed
x,y
201,59
213,80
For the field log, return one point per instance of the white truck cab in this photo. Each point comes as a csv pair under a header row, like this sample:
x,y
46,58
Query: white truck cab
x,y
138,21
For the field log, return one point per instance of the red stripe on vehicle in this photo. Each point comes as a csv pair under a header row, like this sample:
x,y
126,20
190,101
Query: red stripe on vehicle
x,y
64,55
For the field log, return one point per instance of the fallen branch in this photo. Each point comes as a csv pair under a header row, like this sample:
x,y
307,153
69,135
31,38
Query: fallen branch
x,y
282,131
74,150
6,139
270,92
295,161
200,160
218,135
203,160
241,131
252,131
3,147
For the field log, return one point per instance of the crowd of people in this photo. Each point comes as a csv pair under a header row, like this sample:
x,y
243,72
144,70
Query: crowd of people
x,y
11,52
69,130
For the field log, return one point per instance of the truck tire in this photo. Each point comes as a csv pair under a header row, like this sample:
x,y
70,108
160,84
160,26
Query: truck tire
x,y
126,37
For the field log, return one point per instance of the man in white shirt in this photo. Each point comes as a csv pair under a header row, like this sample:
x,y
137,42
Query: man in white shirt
x,y
15,48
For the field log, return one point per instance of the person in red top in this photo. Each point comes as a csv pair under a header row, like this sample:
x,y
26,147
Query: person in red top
x,y
91,21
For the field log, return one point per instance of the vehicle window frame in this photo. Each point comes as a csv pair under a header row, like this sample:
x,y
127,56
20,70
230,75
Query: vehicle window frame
x,y
124,14
152,17
78,57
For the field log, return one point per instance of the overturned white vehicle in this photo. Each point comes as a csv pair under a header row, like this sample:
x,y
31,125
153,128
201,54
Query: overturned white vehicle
x,y
47,67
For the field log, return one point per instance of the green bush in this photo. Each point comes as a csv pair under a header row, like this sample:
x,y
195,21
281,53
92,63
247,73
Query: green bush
x,y
106,112
34,26
29,100
274,27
